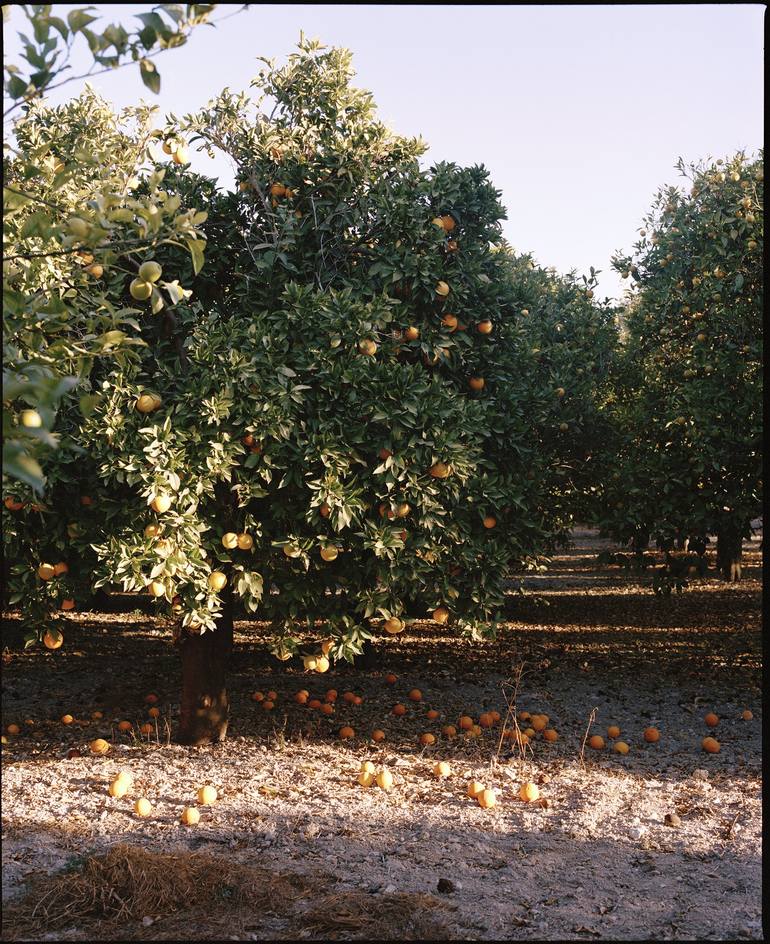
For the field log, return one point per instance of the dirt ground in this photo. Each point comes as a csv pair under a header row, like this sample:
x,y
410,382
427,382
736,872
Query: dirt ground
x,y
335,860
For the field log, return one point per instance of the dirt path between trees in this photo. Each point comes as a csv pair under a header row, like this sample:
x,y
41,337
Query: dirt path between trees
x,y
329,859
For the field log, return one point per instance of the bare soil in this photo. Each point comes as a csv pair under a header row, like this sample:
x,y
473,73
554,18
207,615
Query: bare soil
x,y
339,861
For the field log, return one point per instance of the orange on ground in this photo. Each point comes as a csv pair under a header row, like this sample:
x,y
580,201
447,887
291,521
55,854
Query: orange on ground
x,y
143,807
96,715
366,778
710,745
442,769
378,735
99,746
550,735
300,698
399,710
257,696
207,795
524,716
485,720
596,741
651,735
146,728
327,708
331,695
431,714
118,788
613,731
474,788
449,730
358,700
347,732
427,739
711,719
747,715
466,723
13,729
314,703
486,799
415,694
349,697
154,712
273,696
190,816
385,779
53,639
620,747
530,732
393,625
539,722
391,679
67,719
529,792
268,704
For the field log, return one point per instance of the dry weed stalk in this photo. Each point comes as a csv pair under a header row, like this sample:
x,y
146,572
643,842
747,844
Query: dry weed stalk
x,y
591,719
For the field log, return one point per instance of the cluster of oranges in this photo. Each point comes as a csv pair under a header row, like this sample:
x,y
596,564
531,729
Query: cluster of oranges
x,y
123,785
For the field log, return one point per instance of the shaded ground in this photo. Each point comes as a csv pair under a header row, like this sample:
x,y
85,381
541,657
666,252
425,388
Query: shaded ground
x,y
597,861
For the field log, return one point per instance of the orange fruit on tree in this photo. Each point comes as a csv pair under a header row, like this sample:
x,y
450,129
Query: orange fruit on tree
x,y
68,604
442,289
484,327
46,571
651,735
711,719
367,346
596,741
440,470
620,747
412,333
529,792
613,731
245,541
53,639
476,383
490,521
448,223
324,510
393,625
277,190
60,568
710,745
449,321
486,799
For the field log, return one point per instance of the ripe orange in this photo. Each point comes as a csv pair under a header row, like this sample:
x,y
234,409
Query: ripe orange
x,y
442,769
494,715
118,788
348,697
529,732
596,741
268,704
449,730
651,735
550,735
146,728
710,745
490,521
142,807
427,739
613,731
124,726
442,289
67,719
391,679
441,614
620,747
99,746
747,715
346,732
207,795
476,383
412,333
13,729
366,778
46,571
711,719
257,696
300,698
331,695
385,779
529,792
539,722
151,699
277,190
358,700
399,710
314,703
486,799
324,510
378,735
367,346
53,639
474,788
67,604
475,731
393,625
415,694
524,716
190,816
485,720
466,723
449,321
440,470
59,569
154,712
431,714
484,327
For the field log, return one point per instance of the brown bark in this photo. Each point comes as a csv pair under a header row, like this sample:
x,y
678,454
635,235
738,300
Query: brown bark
x,y
730,552
205,707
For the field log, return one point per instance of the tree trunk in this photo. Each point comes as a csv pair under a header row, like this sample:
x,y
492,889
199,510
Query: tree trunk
x,y
640,541
205,706
730,551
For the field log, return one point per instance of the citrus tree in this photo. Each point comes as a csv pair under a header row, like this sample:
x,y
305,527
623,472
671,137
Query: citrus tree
x,y
321,426
688,401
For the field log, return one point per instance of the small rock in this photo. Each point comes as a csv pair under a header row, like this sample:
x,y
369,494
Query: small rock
x,y
672,819
445,886
389,889
636,832
700,774
147,921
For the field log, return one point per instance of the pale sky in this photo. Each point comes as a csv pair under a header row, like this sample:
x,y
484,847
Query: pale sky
x,y
579,112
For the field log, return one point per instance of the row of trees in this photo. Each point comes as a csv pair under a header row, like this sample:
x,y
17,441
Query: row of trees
x,y
333,396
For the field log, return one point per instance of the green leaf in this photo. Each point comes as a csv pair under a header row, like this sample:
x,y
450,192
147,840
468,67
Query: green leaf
x,y
20,465
196,247
78,19
150,75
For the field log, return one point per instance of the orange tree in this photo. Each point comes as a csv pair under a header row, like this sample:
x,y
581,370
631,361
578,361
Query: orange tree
x,y
325,427
688,407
